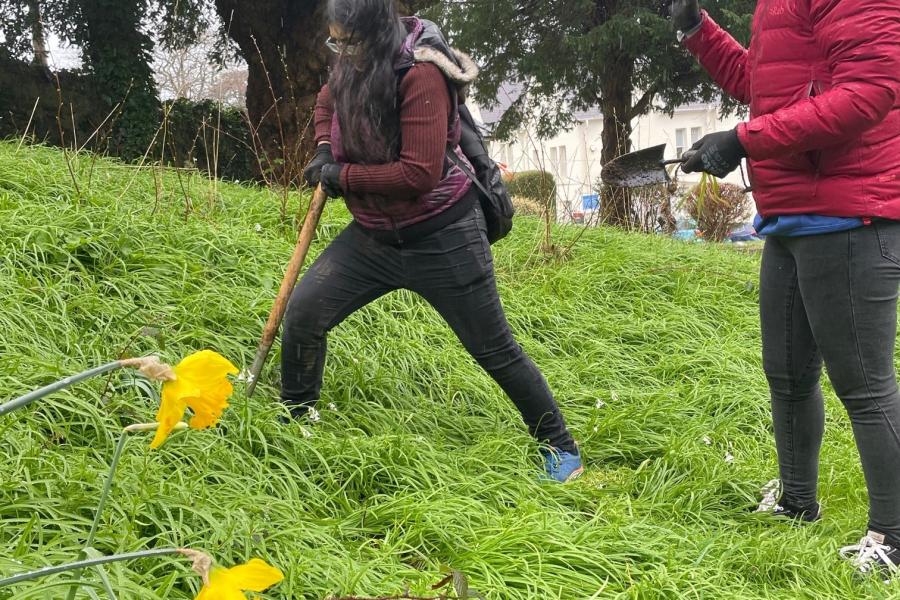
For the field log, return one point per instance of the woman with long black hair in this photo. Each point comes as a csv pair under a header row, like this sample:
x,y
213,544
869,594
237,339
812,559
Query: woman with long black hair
x,y
384,124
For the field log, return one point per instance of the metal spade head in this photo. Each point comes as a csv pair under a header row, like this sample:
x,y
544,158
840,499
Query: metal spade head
x,y
636,169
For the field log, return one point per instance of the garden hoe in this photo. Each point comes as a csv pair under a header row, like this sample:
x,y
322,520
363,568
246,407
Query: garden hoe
x,y
644,167
287,286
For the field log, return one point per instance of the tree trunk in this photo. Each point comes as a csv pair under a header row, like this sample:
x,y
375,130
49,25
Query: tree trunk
x,y
283,44
38,40
616,106
117,53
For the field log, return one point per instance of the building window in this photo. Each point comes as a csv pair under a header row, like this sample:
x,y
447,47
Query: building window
x,y
696,134
558,161
680,142
497,150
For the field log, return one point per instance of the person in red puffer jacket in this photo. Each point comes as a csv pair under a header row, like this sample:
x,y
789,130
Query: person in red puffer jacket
x,y
822,79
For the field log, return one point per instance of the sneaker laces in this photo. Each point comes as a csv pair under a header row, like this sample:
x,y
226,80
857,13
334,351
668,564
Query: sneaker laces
x,y
771,493
870,551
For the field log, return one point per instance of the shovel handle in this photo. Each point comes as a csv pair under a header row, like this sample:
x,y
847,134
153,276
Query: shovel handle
x,y
688,155
287,286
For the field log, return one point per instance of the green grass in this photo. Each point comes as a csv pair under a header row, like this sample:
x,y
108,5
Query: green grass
x,y
651,347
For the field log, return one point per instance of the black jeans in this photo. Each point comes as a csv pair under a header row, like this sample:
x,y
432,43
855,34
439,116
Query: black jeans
x,y
453,270
834,297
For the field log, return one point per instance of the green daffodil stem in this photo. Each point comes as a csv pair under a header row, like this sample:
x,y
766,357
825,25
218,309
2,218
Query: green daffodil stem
x,y
107,486
103,496
55,387
86,564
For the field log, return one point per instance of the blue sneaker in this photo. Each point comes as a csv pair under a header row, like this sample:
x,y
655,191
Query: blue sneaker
x,y
561,466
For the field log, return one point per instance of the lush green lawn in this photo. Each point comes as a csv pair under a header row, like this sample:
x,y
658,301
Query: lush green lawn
x,y
418,461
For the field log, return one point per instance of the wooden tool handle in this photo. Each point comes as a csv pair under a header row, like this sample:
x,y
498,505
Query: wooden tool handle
x,y
287,286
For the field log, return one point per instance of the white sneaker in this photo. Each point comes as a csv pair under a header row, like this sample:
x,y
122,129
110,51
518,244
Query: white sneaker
x,y
874,552
771,504
771,493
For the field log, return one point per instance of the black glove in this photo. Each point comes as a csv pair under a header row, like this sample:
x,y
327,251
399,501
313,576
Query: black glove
x,y
331,180
312,172
716,153
685,15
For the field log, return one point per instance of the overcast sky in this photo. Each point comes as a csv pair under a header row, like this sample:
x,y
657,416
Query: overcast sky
x,y
63,56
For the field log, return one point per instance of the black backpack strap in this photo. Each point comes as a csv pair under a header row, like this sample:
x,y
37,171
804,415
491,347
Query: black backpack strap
x,y
462,167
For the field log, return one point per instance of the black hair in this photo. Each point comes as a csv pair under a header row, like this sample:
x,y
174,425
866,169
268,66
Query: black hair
x,y
363,83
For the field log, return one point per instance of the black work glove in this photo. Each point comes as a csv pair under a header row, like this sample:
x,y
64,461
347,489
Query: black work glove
x,y
331,180
716,153
685,15
312,172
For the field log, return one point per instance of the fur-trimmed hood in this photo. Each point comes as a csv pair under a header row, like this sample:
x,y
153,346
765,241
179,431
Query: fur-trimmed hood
x,y
462,71
426,43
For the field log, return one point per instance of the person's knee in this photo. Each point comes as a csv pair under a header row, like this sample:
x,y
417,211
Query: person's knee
x,y
302,321
792,388
497,354
869,397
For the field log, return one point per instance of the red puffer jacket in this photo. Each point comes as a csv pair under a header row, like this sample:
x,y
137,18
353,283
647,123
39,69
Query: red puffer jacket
x,y
822,78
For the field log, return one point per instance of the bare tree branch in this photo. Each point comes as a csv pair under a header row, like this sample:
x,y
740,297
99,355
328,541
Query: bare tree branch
x,y
189,73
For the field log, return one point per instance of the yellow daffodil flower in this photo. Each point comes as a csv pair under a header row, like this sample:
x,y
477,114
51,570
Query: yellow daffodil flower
x,y
201,384
229,584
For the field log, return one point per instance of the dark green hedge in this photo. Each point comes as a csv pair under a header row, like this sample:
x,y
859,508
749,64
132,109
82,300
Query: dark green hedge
x,y
197,131
538,186
193,129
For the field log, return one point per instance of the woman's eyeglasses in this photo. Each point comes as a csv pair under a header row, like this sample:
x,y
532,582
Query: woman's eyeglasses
x,y
341,46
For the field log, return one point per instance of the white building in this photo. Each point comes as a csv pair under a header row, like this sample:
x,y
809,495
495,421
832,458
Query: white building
x,y
573,156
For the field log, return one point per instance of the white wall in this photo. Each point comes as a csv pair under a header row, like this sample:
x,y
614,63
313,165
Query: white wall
x,y
572,157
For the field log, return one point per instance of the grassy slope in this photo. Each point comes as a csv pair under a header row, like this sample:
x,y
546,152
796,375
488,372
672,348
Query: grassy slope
x,y
423,462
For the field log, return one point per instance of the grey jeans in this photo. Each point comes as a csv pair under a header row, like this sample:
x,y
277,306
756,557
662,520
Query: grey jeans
x,y
453,270
832,298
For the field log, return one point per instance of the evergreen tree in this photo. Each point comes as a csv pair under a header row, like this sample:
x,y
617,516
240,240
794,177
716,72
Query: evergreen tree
x,y
619,55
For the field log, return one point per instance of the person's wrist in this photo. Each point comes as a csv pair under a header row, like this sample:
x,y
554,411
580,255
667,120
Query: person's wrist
x,y
323,151
739,146
690,28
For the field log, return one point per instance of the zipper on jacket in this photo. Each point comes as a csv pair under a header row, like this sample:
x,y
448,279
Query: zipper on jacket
x,y
815,156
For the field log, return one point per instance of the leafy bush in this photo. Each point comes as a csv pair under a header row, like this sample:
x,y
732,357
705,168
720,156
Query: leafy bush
x,y
537,186
210,136
649,208
717,208
28,97
527,206
196,132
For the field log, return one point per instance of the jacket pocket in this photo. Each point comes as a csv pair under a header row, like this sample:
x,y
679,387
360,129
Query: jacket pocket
x,y
460,253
